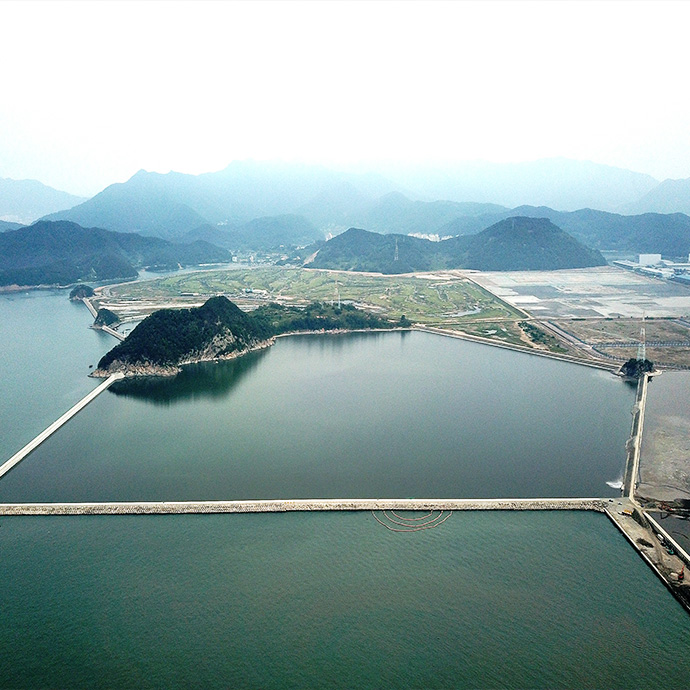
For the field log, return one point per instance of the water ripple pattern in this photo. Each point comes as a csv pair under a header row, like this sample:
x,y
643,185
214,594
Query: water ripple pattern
x,y
389,518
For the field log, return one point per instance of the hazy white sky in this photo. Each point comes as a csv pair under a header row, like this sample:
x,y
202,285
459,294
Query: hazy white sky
x,y
90,92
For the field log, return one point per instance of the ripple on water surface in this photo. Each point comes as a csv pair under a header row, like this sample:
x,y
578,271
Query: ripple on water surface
x,y
333,600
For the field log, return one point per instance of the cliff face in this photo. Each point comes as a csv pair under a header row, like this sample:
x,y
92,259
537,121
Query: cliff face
x,y
160,344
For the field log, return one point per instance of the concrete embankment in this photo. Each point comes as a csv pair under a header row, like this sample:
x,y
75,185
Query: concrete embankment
x,y
113,332
90,306
94,313
517,348
632,464
32,445
641,531
281,506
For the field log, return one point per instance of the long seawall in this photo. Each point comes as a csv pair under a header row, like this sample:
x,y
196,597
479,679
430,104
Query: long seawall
x,y
634,444
612,367
32,445
301,505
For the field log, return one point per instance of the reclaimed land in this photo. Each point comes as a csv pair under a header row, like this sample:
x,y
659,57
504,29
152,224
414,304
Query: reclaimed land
x,y
448,300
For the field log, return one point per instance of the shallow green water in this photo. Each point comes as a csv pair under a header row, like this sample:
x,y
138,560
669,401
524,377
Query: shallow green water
x,y
358,415
333,600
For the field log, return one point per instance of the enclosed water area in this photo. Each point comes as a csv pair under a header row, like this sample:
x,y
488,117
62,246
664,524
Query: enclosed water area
x,y
354,415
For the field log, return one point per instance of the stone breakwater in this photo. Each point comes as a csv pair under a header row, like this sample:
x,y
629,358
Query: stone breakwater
x,y
282,506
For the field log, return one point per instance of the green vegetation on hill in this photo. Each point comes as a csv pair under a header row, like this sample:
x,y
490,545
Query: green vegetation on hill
x,y
105,317
668,234
220,329
60,253
170,336
524,244
80,292
360,250
318,316
515,244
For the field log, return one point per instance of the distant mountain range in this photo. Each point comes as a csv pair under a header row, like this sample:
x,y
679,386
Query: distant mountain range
x,y
60,253
24,201
258,206
651,232
560,183
260,234
254,206
671,196
514,244
171,205
5,225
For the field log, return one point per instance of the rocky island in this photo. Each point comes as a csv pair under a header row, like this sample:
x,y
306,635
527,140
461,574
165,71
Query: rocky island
x,y
635,368
219,329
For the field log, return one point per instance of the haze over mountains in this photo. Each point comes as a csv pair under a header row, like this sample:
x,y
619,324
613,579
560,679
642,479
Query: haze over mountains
x,y
671,196
262,206
167,205
256,206
23,201
560,183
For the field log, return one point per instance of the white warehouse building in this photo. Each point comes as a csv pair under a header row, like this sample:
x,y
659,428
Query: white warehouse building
x,y
649,259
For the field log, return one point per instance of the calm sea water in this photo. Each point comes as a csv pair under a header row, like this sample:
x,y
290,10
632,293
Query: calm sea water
x,y
495,600
46,348
491,600
358,415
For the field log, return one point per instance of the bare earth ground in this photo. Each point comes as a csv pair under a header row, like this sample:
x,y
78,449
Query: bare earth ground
x,y
665,458
603,291
604,308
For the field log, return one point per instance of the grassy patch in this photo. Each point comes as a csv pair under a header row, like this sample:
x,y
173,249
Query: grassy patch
x,y
438,299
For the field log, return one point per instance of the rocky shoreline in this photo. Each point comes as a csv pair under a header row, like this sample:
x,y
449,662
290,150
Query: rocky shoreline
x,y
130,370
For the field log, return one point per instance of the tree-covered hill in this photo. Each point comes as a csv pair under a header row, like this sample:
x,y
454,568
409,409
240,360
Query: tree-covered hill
x,y
667,234
60,253
361,250
524,244
515,244
170,336
219,329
